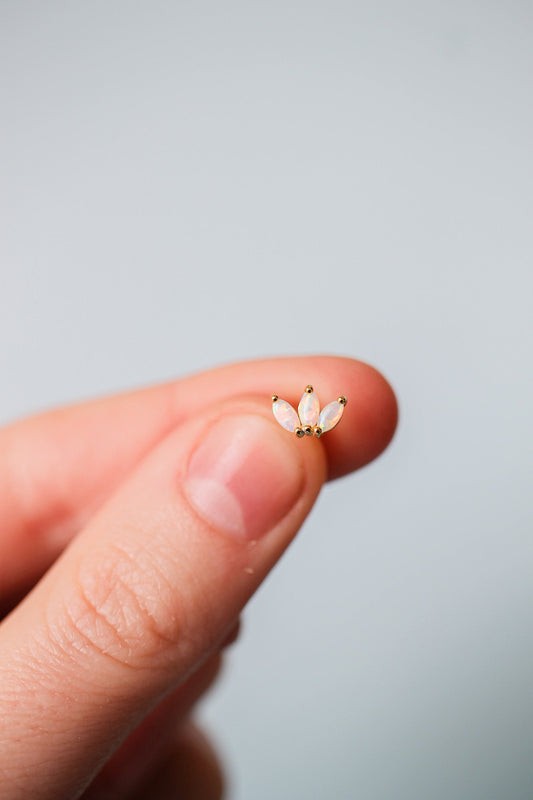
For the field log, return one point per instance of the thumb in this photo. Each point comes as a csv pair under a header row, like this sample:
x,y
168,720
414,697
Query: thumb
x,y
147,592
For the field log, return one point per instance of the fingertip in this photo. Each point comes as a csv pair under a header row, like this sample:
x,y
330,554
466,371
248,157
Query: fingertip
x,y
378,413
371,414
369,420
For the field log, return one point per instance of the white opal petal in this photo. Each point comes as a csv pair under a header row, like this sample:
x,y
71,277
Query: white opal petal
x,y
309,409
330,416
285,415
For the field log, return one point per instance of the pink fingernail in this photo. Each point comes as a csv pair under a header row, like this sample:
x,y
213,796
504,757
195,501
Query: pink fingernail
x,y
245,476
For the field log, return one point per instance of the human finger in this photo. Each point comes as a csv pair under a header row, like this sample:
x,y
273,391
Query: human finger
x,y
191,770
150,743
147,591
57,468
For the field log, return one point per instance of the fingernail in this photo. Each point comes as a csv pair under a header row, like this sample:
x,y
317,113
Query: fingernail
x,y
245,476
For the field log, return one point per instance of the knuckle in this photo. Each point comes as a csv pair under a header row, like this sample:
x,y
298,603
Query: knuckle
x,y
125,607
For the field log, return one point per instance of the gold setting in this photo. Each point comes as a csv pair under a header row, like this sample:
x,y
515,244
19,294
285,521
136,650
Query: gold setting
x,y
308,420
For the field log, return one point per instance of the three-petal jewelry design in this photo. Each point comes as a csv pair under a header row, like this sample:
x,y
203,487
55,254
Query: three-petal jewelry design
x,y
309,420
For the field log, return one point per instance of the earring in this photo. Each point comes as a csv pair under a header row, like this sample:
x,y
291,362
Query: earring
x,y
309,420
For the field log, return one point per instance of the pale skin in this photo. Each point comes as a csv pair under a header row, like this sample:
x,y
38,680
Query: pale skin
x,y
119,592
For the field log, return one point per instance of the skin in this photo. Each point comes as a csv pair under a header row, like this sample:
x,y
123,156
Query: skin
x,y
118,598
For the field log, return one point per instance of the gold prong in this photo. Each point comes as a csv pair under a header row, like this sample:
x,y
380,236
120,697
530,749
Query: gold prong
x,y
274,398
342,400
308,430
317,430
299,432
308,388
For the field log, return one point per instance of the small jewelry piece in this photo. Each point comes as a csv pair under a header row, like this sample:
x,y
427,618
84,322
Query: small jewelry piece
x,y
309,420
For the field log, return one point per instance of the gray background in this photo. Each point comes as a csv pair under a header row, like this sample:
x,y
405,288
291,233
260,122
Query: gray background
x,y
187,183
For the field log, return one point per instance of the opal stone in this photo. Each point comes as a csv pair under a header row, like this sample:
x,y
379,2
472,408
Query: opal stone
x,y
330,416
285,415
308,409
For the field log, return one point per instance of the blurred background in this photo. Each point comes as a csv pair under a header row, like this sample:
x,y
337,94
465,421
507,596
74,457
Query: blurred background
x,y
189,183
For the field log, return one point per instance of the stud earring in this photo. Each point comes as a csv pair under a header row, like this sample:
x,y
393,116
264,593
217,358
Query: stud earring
x,y
308,420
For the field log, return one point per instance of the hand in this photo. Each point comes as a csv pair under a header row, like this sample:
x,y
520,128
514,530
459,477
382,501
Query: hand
x,y
149,519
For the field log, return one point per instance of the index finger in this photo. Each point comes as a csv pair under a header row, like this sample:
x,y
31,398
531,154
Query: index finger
x,y
57,468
